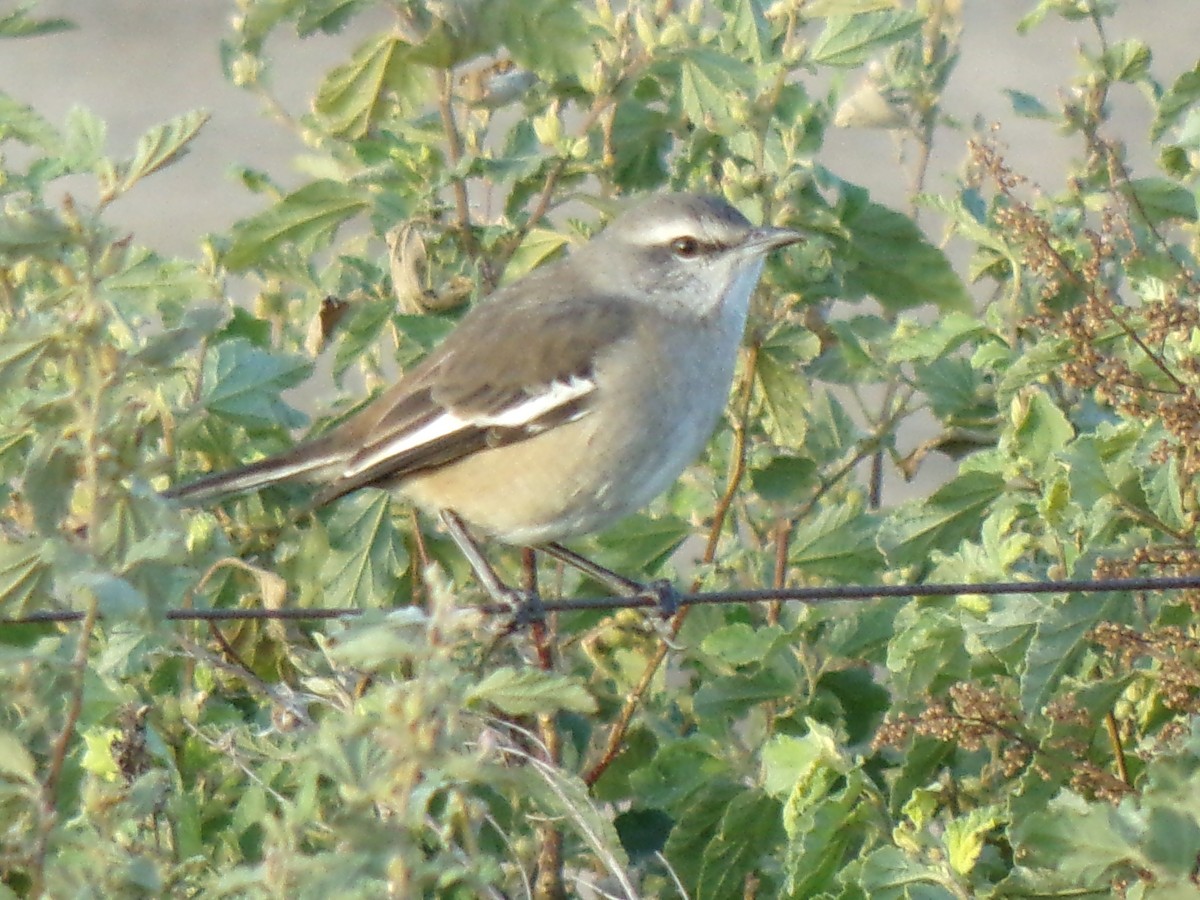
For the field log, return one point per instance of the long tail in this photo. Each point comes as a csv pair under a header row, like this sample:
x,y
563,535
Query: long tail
x,y
306,462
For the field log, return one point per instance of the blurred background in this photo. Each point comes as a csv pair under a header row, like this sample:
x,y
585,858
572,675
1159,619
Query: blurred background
x,y
136,63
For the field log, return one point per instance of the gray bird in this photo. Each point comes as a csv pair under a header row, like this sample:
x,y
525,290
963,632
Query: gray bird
x,y
563,401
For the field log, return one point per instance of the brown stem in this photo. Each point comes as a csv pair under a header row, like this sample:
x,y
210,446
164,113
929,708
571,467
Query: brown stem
x,y
58,754
1114,736
737,470
454,149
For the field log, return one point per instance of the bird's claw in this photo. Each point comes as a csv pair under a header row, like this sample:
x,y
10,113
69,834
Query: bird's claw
x,y
666,598
525,609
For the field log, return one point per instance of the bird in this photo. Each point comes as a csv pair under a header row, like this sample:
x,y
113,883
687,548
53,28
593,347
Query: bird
x,y
563,401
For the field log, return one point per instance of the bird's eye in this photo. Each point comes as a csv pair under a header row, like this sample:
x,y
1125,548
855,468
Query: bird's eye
x,y
686,247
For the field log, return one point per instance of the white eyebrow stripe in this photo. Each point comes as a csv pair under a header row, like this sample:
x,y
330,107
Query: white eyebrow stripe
x,y
664,232
556,395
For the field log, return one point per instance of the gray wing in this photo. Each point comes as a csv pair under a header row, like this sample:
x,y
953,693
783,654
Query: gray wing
x,y
489,383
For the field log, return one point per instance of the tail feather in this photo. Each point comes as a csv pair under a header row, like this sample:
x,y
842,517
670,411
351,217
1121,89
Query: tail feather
x,y
304,463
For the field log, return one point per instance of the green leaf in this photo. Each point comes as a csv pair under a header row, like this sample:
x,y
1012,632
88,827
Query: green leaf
x,y
33,232
1177,102
928,652
548,37
367,554
1040,429
739,644
733,695
837,543
707,82
784,480
21,122
161,146
354,97
966,834
749,830
49,484
1059,641
1161,199
242,384
1083,842
849,41
888,257
304,218
538,246
751,30
953,513
83,141
641,142
1030,107
643,543
784,386
888,873
525,692
915,341
23,573
1127,60
15,761
18,23
696,824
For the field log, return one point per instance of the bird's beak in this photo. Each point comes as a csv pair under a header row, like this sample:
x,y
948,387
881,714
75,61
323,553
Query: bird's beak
x,y
768,238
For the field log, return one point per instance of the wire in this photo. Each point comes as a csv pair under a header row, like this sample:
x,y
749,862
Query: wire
x,y
797,595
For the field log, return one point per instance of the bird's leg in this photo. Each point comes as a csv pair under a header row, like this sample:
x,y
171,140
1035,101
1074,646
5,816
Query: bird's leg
x,y
661,591
526,606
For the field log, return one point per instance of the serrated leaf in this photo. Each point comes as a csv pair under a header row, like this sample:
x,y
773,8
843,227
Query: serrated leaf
x,y
641,142
739,644
23,572
751,30
303,218
953,513
889,258
1059,640
83,140
15,760
785,397
1161,199
34,232
1040,429
1179,100
733,695
49,482
784,480
1083,842
749,830
354,96
538,246
707,81
965,837
525,692
368,553
888,873
1127,60
925,342
21,122
548,37
161,146
849,41
696,823
242,383
643,543
837,543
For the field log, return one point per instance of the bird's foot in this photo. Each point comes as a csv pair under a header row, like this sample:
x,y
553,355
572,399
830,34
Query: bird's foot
x,y
664,594
525,608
